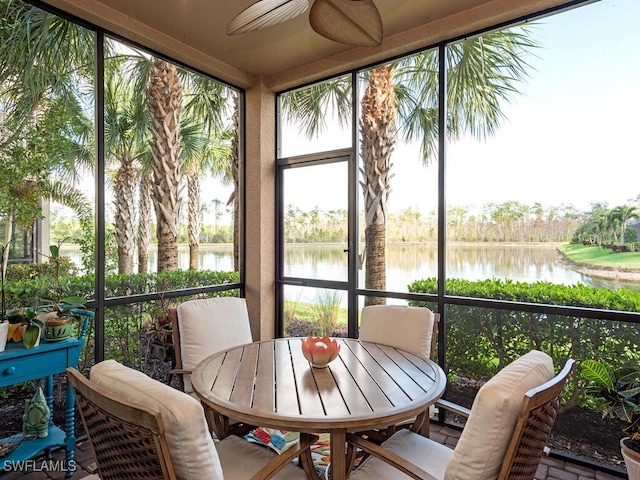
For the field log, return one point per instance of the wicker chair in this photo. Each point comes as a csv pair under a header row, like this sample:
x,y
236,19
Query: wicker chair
x,y
504,438
139,428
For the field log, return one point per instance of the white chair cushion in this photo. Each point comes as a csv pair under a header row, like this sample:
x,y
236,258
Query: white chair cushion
x,y
208,326
485,438
191,449
241,460
408,328
431,456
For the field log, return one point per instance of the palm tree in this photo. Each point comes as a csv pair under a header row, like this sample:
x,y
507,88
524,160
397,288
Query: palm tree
x,y
126,127
403,96
164,101
144,219
623,214
235,176
204,146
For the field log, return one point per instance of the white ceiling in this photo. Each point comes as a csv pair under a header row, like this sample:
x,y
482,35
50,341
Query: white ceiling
x,y
195,29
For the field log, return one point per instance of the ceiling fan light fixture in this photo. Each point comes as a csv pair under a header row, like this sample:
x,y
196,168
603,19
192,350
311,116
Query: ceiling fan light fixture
x,y
352,22
265,13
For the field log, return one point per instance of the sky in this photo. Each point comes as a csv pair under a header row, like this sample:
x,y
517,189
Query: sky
x,y
570,137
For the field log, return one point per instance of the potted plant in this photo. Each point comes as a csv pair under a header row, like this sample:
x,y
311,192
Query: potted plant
x,y
160,334
60,311
617,392
58,317
27,321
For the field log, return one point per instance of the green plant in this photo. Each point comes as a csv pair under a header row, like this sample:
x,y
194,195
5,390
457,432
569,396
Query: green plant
x,y
62,306
616,392
27,317
326,310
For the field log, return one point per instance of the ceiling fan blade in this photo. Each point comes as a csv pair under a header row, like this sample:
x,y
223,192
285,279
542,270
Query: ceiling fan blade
x,y
353,22
265,13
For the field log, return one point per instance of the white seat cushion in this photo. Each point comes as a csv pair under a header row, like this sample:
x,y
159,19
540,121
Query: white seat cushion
x,y
431,456
208,326
191,449
408,328
486,435
241,459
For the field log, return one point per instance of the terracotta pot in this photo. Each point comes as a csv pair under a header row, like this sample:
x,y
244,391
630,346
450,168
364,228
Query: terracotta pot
x,y
631,460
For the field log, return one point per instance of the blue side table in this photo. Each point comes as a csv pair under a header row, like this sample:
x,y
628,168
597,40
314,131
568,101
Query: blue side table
x,y
19,364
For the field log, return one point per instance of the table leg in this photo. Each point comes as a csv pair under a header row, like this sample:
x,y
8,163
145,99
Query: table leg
x,y
69,430
48,394
338,454
218,423
421,424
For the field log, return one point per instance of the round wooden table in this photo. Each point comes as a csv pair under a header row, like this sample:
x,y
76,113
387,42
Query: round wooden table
x,y
271,384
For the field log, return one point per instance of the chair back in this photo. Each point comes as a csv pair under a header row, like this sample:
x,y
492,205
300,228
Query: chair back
x,y
502,417
535,421
413,329
127,441
189,444
203,327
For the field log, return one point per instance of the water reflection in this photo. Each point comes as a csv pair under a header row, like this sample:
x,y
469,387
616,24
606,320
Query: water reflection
x,y
409,262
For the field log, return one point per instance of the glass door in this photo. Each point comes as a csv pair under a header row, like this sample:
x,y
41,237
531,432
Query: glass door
x,y
313,244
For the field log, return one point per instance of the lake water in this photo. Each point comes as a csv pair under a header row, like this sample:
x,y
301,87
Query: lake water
x,y
409,262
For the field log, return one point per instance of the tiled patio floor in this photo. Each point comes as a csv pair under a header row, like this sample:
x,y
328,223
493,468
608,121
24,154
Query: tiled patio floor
x,y
550,468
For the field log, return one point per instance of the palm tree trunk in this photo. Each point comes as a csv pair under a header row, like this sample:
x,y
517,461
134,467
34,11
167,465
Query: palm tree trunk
x,y
235,166
144,220
125,187
193,186
164,96
377,133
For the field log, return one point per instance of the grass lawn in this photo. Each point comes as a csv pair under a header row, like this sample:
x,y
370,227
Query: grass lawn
x,y
601,257
310,312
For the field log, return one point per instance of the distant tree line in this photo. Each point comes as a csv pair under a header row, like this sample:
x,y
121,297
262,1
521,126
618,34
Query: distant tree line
x,y
505,222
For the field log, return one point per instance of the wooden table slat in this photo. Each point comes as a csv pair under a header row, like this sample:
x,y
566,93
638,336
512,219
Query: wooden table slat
x,y
286,390
226,378
264,394
243,388
209,372
310,401
407,384
385,381
417,369
371,390
355,401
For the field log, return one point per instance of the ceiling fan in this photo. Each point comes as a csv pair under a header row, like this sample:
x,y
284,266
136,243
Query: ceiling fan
x,y
352,22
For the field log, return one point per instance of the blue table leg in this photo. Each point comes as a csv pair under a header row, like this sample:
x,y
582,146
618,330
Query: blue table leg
x,y
69,430
48,394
